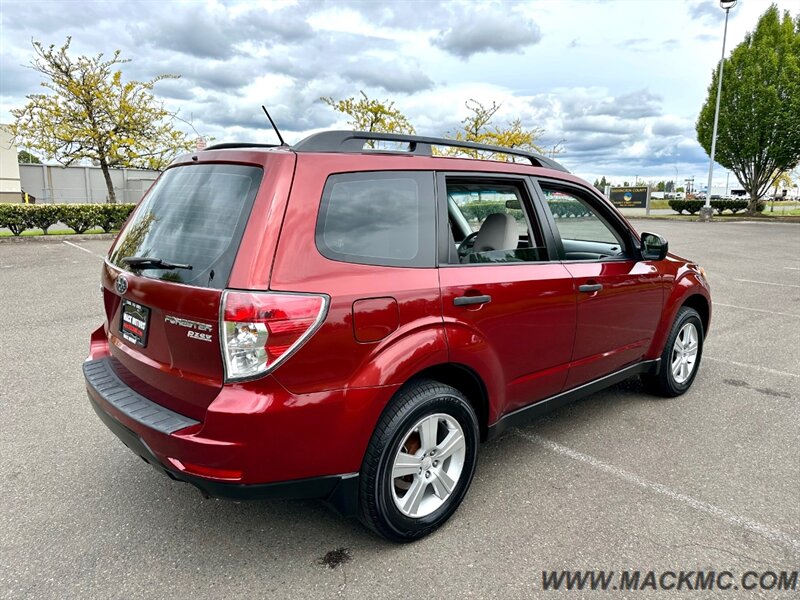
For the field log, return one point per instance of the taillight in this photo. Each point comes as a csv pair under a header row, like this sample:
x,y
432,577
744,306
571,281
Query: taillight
x,y
260,330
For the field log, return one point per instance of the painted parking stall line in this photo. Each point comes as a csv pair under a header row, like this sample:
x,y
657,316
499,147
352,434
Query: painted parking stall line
x,y
789,285
731,518
750,366
758,310
84,249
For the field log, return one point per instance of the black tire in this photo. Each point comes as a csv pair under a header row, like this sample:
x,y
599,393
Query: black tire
x,y
415,401
665,383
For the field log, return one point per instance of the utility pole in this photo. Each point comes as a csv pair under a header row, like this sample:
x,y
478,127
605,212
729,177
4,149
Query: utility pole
x,y
706,212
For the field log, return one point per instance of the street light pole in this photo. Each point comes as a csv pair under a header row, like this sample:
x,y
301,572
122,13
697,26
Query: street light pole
x,y
707,212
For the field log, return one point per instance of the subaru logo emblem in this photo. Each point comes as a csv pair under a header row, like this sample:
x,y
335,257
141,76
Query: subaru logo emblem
x,y
122,284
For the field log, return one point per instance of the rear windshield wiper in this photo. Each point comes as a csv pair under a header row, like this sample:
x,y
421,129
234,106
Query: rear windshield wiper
x,y
146,262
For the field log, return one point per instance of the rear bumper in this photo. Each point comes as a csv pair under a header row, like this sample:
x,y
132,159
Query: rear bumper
x,y
158,435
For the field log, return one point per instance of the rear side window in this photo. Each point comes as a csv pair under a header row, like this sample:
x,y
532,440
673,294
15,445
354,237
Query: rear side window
x,y
385,218
195,215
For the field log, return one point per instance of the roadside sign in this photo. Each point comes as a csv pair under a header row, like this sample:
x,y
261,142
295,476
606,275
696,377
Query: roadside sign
x,y
629,197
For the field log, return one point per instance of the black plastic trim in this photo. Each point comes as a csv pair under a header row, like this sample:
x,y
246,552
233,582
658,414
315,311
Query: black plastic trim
x,y
100,376
233,145
471,300
340,491
353,141
523,415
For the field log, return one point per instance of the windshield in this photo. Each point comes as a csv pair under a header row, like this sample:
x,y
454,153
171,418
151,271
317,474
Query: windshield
x,y
190,225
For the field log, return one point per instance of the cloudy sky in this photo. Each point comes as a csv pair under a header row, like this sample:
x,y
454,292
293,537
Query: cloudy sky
x,y
617,84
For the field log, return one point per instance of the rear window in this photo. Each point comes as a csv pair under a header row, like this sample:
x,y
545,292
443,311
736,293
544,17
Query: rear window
x,y
195,215
379,218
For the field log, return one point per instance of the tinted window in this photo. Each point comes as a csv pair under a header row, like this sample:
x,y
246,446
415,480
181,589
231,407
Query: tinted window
x,y
195,215
498,228
378,218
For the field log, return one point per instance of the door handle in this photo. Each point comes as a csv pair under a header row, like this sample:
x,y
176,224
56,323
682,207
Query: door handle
x,y
467,300
590,287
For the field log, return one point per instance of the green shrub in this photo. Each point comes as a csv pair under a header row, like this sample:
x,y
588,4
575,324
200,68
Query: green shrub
x,y
112,216
15,217
564,209
478,211
78,217
694,206
677,205
42,216
732,205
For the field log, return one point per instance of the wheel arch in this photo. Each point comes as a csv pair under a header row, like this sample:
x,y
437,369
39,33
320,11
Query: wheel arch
x,y
699,303
466,381
689,290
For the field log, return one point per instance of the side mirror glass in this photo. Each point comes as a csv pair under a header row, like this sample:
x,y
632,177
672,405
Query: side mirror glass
x,y
654,247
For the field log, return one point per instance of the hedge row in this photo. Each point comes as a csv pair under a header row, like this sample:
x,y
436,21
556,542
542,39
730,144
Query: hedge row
x,y
565,209
694,206
478,211
78,217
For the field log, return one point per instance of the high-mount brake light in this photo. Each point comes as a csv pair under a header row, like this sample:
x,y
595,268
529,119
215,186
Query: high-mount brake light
x,y
260,330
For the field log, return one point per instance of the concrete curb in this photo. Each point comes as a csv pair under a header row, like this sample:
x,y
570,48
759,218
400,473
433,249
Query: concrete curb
x,y
715,219
56,238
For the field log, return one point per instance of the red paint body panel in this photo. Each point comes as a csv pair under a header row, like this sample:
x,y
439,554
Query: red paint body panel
x,y
314,415
616,324
375,318
523,338
682,281
187,372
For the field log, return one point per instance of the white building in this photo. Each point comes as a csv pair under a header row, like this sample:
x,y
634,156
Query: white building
x,y
9,168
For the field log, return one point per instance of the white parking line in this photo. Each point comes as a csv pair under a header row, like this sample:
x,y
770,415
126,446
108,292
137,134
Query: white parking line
x,y
792,268
749,366
84,249
768,283
764,531
758,310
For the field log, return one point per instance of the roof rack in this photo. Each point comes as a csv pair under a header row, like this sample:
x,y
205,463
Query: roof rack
x,y
241,145
353,141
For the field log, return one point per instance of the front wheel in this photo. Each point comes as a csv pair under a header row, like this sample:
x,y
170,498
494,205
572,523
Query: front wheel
x,y
680,359
420,461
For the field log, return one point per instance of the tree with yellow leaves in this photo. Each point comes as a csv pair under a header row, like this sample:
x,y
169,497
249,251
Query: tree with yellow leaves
x,y
367,114
477,127
91,113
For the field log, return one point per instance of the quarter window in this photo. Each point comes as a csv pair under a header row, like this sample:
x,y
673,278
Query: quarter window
x,y
385,218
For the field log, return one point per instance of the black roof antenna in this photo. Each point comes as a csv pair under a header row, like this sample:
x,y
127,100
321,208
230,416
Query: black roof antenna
x,y
278,133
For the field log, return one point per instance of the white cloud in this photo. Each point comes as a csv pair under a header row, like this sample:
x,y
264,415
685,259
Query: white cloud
x,y
619,82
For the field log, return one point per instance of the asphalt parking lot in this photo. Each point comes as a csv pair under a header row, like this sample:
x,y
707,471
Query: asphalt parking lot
x,y
620,480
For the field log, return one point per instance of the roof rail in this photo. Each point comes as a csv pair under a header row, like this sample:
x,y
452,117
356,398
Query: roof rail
x,y
353,141
241,145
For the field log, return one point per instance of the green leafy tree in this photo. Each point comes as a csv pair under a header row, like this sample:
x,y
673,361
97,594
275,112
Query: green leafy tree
x,y
367,114
601,184
91,113
25,157
477,127
759,116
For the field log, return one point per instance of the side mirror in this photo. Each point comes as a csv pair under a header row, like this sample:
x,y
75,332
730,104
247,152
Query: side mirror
x,y
654,247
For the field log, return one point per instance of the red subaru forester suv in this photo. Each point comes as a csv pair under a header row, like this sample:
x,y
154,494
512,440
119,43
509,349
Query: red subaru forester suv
x,y
349,317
